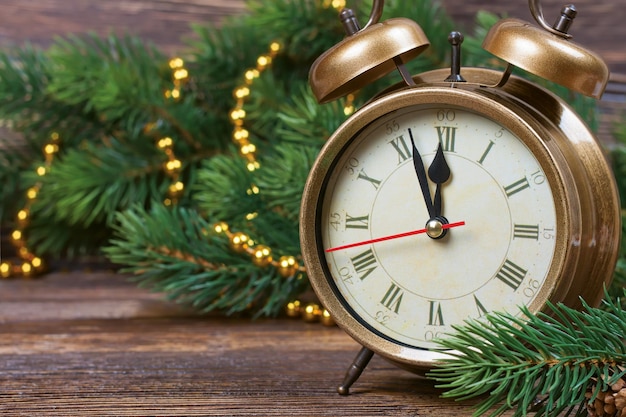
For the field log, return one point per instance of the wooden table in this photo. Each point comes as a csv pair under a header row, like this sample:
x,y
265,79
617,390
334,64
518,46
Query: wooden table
x,y
78,343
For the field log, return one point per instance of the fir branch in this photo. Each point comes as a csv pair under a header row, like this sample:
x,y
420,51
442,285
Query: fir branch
x,y
308,28
13,161
307,123
267,94
281,179
177,252
89,185
119,78
25,74
545,363
219,58
56,239
225,189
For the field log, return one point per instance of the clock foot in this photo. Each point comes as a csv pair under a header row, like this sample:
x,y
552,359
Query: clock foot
x,y
354,371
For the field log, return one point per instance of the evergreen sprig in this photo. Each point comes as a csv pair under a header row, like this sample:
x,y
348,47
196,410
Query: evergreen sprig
x,y
543,364
90,184
194,265
115,77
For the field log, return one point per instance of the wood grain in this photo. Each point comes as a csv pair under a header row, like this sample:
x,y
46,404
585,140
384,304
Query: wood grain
x,y
598,26
93,344
164,22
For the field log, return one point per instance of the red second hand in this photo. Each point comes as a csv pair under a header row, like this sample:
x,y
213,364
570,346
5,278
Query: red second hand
x,y
399,235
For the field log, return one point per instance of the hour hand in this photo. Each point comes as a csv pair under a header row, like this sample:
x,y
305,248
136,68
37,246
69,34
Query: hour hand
x,y
421,177
439,173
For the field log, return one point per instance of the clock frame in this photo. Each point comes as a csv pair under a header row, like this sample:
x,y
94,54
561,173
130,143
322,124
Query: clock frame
x,y
586,201
584,193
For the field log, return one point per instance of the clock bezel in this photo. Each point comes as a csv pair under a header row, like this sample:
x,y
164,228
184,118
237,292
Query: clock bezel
x,y
492,104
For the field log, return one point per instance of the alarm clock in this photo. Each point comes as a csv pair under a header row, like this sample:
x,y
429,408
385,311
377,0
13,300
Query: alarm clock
x,y
457,192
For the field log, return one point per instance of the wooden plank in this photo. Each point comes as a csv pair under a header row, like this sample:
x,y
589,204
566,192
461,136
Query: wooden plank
x,y
598,25
165,22
79,295
198,367
67,350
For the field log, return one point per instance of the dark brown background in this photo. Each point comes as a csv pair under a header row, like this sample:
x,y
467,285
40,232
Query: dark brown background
x,y
91,343
599,25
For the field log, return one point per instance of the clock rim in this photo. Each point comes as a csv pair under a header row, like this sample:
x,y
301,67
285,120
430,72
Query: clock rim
x,y
472,98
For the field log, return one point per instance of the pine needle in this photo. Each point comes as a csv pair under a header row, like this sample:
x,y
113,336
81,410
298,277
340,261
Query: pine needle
x,y
556,356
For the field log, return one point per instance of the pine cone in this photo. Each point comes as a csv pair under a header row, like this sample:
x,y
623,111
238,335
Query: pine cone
x,y
611,403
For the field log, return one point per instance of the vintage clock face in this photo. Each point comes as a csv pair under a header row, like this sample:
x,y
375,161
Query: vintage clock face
x,y
457,192
497,196
433,206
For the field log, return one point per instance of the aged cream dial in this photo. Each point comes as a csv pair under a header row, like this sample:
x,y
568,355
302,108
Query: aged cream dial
x,y
412,288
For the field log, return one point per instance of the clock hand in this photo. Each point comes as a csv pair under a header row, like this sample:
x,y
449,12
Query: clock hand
x,y
421,177
442,227
439,173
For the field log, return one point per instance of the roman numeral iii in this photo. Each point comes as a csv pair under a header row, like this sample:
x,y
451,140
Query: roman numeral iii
x,y
516,187
526,231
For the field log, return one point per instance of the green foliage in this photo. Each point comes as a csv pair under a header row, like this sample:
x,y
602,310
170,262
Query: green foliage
x,y
281,179
11,165
105,100
224,189
117,78
542,364
307,28
306,123
195,266
90,184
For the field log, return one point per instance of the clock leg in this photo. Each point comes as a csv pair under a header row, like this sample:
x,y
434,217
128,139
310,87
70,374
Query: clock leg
x,y
354,371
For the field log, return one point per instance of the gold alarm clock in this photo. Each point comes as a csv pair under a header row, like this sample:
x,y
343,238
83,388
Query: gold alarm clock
x,y
457,192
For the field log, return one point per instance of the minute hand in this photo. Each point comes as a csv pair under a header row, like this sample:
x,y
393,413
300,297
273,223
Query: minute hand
x,y
421,177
